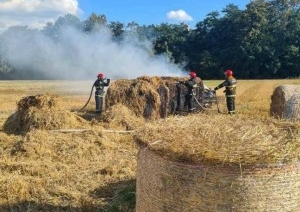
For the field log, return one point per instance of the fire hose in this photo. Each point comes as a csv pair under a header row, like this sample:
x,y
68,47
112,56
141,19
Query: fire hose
x,y
204,108
89,97
219,111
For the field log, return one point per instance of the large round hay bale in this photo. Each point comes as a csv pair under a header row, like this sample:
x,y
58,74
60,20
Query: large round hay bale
x,y
240,164
280,97
292,110
150,97
44,112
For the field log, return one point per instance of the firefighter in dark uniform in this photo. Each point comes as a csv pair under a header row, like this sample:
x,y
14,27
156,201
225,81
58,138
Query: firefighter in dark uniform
x,y
99,84
230,90
191,85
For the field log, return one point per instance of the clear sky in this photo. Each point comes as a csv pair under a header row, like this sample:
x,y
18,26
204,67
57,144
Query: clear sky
x,y
36,13
156,11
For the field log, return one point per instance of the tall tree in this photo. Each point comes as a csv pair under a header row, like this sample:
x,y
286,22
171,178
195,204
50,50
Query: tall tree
x,y
117,29
95,22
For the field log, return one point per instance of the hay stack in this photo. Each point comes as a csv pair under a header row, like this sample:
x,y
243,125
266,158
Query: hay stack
x,y
240,164
41,112
280,98
150,97
119,117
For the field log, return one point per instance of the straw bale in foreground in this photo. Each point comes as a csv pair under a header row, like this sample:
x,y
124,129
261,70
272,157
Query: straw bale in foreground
x,y
280,98
150,97
218,163
43,112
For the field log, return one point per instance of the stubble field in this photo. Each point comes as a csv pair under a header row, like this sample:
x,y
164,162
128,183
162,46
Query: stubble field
x,y
88,170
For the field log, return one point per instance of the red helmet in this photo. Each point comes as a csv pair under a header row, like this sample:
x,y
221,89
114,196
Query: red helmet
x,y
193,74
228,73
100,75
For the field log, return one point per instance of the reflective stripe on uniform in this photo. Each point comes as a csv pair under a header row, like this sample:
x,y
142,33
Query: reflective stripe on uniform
x,y
230,95
99,95
231,87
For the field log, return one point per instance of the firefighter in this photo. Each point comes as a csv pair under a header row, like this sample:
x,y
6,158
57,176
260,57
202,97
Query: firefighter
x,y
191,85
99,84
230,90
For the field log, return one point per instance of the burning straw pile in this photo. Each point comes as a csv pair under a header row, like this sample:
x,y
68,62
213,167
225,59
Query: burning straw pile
x,y
41,112
150,97
218,163
286,102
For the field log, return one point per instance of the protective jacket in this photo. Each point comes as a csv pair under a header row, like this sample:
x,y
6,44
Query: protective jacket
x,y
99,93
191,85
99,85
230,86
230,92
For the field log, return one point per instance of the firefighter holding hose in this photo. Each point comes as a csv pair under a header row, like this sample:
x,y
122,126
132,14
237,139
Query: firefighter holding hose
x,y
230,90
99,85
191,85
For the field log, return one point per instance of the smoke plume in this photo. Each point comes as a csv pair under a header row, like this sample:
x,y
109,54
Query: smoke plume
x,y
78,55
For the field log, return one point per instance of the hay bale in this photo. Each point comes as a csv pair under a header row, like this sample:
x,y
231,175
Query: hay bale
x,y
150,97
240,164
280,97
42,112
292,110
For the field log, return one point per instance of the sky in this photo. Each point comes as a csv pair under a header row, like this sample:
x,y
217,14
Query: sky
x,y
36,13
82,56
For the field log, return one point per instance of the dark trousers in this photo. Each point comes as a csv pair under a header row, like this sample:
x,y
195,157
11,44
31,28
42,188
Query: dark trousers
x,y
190,101
230,104
98,101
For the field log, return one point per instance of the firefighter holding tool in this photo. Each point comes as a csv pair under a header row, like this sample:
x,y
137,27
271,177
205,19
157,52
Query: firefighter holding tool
x,y
99,85
191,85
230,90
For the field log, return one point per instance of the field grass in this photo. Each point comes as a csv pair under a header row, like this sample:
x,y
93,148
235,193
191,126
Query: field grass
x,y
85,171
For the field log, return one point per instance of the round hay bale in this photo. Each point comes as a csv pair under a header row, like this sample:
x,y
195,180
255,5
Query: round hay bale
x,y
292,110
42,112
240,164
280,97
149,97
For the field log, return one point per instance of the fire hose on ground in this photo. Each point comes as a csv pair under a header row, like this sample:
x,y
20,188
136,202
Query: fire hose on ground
x,y
89,98
205,108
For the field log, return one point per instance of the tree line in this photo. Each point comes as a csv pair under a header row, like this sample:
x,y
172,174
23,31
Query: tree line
x,y
260,42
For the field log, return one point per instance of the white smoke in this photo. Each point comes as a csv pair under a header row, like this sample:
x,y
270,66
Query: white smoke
x,y
78,55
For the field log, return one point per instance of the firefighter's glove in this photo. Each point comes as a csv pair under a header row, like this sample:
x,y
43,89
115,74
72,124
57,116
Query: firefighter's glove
x,y
215,89
181,82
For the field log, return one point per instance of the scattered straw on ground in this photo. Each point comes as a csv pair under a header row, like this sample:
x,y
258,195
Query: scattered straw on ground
x,y
53,171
